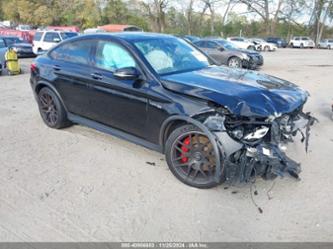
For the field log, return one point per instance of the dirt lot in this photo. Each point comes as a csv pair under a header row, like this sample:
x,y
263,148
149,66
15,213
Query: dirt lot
x,y
81,185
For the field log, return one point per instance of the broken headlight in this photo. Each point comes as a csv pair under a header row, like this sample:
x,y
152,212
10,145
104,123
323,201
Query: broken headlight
x,y
247,130
256,134
249,135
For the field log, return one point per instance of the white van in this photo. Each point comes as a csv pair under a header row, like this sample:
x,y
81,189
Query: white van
x,y
44,40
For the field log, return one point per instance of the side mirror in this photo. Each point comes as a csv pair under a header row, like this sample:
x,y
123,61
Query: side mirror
x,y
56,40
221,49
127,73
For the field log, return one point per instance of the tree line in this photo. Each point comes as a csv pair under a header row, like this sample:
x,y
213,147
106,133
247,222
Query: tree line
x,y
194,17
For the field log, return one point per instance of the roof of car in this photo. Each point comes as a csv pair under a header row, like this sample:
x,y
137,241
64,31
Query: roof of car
x,y
129,36
9,36
212,39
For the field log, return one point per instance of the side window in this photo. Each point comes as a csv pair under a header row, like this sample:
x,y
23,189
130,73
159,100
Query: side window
x,y
111,56
204,44
199,43
38,36
2,43
211,44
75,52
305,39
296,38
51,37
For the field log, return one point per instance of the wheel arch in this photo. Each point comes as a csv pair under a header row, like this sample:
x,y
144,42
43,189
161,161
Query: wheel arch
x,y
43,84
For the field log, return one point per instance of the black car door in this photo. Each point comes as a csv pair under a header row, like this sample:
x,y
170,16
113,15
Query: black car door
x,y
71,70
115,102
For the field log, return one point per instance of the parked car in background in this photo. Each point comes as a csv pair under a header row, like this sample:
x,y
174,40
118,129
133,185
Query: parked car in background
x,y
2,59
302,42
93,31
242,42
23,35
214,124
262,45
225,53
23,27
119,28
279,42
63,28
326,43
44,40
22,48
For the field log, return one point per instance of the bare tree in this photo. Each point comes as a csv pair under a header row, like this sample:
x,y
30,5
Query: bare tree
x,y
156,10
322,9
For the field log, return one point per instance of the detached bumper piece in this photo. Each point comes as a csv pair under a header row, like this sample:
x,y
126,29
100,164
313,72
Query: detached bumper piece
x,y
266,161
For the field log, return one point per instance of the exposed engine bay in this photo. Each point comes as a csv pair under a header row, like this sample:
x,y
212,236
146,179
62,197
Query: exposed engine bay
x,y
252,147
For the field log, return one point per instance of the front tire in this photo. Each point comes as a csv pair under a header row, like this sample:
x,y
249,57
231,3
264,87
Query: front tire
x,y
235,62
51,109
191,157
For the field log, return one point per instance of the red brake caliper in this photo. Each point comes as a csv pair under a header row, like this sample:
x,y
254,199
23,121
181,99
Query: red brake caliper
x,y
186,141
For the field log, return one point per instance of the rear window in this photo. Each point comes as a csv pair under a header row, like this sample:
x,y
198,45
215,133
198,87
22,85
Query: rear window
x,y
51,37
330,40
67,35
38,36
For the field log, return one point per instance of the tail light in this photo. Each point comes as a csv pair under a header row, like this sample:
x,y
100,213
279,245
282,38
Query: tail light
x,y
33,67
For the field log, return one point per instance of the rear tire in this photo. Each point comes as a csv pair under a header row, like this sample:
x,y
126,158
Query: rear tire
x,y
51,109
191,157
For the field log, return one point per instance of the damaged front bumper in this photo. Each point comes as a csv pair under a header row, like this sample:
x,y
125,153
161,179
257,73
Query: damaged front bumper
x,y
251,148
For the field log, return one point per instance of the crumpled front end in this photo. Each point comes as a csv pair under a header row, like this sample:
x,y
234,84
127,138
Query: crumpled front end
x,y
252,147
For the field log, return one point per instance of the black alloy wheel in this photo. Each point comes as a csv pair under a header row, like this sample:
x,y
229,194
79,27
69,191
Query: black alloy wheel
x,y
51,109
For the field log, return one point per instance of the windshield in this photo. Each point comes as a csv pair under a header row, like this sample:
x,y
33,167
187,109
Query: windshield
x,y
11,41
171,55
227,45
67,35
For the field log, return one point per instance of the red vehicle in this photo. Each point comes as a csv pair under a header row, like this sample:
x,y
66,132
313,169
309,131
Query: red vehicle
x,y
64,28
119,28
24,35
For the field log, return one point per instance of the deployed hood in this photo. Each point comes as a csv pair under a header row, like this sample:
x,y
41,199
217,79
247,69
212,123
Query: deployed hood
x,y
248,51
243,92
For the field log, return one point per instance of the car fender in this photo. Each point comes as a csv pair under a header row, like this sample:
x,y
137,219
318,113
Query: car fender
x,y
241,55
203,128
41,84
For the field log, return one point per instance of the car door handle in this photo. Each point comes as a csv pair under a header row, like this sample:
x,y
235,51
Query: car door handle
x,y
96,76
56,68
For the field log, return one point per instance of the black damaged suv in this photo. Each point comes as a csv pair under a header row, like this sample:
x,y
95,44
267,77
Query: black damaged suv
x,y
214,124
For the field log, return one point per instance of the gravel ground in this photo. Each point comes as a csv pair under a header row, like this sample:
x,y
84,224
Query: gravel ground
x,y
78,184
